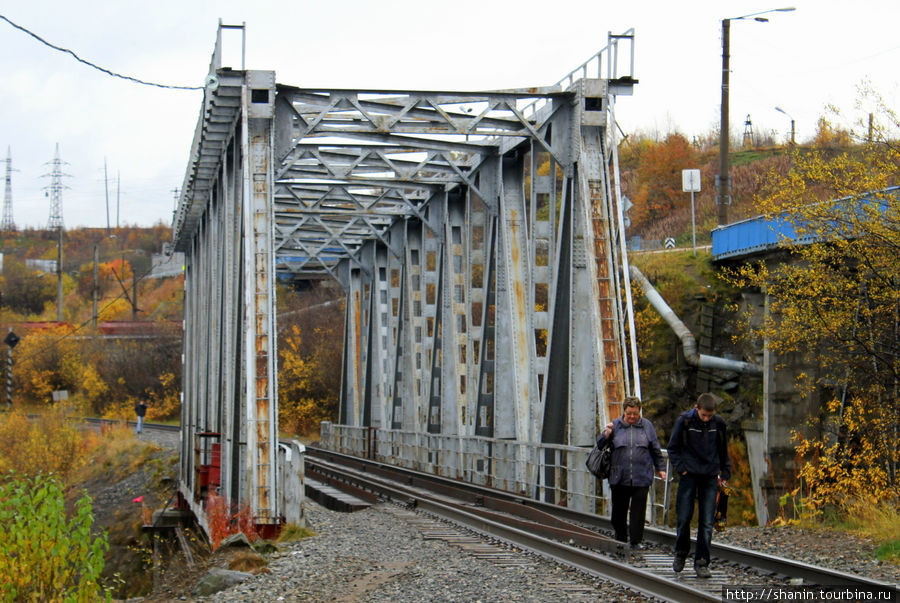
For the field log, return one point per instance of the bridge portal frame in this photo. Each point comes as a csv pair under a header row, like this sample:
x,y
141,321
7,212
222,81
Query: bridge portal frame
x,y
479,237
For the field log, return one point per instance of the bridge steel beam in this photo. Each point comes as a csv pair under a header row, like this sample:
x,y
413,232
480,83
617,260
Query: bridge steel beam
x,y
225,226
478,240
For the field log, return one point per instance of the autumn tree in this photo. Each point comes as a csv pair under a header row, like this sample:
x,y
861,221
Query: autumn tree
x,y
25,290
310,351
838,298
658,181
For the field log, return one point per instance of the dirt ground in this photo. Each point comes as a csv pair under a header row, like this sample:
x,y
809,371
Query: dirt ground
x,y
124,496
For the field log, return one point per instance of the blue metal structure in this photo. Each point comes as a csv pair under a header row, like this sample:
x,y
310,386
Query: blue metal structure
x,y
766,233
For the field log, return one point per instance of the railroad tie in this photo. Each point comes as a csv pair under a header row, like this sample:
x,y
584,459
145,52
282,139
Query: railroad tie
x,y
498,552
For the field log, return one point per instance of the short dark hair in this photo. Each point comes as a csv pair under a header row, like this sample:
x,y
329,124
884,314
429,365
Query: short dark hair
x,y
632,401
708,401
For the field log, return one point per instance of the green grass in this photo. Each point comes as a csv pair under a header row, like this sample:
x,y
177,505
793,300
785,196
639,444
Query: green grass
x,y
292,532
889,551
880,523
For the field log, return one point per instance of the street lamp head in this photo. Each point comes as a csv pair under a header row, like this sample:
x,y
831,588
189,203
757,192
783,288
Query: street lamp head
x,y
755,16
780,110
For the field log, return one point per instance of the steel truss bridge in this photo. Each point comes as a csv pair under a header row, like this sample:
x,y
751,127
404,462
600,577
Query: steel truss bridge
x,y
479,238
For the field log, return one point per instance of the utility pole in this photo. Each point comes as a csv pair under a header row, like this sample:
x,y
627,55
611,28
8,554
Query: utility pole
x,y
176,196
780,110
106,188
59,275
723,185
96,293
8,225
134,284
723,182
118,191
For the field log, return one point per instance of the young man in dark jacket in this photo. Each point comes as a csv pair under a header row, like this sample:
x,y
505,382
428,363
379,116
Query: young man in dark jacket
x,y
140,409
699,456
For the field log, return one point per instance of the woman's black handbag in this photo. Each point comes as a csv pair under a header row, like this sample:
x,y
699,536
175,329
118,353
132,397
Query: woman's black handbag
x,y
599,460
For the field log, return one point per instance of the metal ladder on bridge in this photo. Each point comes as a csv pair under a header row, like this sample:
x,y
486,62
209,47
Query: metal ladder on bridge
x,y
612,367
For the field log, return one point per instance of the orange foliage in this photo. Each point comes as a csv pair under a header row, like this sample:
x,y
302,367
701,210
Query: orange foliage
x,y
659,176
224,522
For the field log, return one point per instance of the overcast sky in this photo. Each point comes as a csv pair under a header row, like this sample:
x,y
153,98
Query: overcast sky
x,y
800,61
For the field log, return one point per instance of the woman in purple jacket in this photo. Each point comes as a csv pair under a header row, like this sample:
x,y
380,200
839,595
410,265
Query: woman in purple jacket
x,y
636,452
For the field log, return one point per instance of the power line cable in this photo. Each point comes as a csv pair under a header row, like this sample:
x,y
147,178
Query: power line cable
x,y
97,67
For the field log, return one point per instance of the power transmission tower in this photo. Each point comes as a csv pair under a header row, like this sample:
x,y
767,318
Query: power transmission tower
x,y
748,133
8,224
55,189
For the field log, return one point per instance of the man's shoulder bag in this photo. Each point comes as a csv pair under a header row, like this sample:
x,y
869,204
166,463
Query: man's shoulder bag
x,y
599,461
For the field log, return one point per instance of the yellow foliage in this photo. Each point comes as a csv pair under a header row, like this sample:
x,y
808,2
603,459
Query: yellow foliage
x,y
116,310
304,398
835,302
92,385
51,443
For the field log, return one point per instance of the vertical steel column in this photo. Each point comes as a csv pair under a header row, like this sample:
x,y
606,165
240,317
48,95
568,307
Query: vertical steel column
x,y
485,355
414,415
400,370
515,381
232,411
431,274
453,329
476,235
382,364
354,359
258,95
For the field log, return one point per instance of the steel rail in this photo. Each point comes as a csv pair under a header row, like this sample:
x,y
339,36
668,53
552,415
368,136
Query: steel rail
x,y
764,562
157,426
584,560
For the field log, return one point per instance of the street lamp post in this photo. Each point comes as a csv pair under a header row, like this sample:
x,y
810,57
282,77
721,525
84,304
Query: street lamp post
x,y
780,110
723,181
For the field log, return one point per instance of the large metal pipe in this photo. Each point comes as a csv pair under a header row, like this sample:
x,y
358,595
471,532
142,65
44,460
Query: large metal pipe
x,y
688,343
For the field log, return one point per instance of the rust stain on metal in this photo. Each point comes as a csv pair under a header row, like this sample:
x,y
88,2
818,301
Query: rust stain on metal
x,y
262,377
520,305
612,367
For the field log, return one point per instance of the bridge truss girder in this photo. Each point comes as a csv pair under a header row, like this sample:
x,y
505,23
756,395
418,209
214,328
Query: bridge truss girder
x,y
478,237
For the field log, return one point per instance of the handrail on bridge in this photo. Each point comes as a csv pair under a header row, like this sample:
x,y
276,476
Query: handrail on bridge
x,y
612,60
612,67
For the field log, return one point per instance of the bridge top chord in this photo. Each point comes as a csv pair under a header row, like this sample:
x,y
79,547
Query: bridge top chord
x,y
350,163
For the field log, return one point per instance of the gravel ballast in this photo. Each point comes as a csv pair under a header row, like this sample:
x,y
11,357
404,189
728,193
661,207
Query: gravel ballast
x,y
388,553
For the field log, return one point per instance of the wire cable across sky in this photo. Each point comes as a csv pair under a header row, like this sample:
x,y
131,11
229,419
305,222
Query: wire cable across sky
x,y
97,67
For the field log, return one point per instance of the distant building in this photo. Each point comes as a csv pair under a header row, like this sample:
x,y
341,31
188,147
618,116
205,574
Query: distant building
x,y
45,266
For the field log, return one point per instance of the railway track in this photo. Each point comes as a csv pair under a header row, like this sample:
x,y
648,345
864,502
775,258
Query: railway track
x,y
568,537
97,423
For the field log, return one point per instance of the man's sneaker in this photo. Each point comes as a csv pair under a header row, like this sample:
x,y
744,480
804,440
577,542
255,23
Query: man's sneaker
x,y
640,546
678,564
703,571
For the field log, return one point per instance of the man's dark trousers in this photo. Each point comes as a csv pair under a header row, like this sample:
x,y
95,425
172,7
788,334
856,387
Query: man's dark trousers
x,y
701,488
